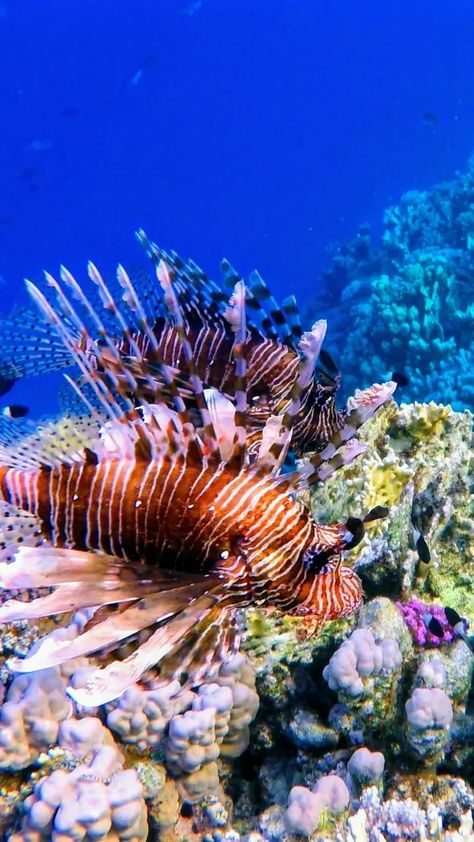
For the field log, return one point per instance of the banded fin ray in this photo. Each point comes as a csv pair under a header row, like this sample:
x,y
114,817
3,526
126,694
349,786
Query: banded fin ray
x,y
200,299
148,608
111,681
210,439
134,434
236,316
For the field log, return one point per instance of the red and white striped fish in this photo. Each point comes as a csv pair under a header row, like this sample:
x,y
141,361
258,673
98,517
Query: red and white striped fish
x,y
273,350
176,528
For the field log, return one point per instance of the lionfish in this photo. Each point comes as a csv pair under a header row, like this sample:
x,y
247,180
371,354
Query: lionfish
x,y
160,527
271,348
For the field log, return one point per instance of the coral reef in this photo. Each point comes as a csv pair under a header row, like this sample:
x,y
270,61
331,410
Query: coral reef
x,y
410,298
424,451
363,731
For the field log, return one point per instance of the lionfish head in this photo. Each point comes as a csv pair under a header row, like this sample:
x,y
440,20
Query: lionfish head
x,y
330,589
333,592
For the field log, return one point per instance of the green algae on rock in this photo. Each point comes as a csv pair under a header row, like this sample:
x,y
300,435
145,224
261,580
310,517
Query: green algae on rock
x,y
426,449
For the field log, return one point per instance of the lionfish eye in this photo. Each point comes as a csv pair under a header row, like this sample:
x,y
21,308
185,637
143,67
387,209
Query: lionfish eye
x,y
313,560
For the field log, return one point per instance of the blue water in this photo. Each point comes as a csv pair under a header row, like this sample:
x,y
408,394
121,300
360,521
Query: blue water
x,y
263,130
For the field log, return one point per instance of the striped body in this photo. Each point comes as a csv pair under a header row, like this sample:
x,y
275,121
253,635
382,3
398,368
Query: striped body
x,y
176,512
182,518
272,371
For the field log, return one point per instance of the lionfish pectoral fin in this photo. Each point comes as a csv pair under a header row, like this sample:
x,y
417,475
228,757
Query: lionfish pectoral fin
x,y
146,611
46,566
200,654
107,683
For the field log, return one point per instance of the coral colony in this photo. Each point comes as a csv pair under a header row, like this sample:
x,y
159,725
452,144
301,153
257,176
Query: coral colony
x,y
233,609
409,299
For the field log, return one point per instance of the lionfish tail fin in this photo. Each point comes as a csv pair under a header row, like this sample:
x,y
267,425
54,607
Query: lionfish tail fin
x,y
29,347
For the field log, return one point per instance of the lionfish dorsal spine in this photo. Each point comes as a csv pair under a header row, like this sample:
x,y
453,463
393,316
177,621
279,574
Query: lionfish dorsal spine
x,y
210,439
270,308
236,316
290,308
310,345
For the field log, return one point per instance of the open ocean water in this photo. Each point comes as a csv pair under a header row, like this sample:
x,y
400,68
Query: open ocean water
x,y
232,608
260,130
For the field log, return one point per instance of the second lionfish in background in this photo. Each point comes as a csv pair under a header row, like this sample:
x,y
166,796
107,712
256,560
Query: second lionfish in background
x,y
171,523
271,349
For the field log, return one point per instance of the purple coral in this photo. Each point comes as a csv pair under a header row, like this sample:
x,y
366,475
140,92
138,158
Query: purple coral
x,y
417,616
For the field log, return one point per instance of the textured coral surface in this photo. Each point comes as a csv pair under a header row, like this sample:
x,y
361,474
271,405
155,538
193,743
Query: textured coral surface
x,y
363,731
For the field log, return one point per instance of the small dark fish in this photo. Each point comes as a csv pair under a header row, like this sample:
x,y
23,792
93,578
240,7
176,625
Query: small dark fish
x,y
6,384
29,174
430,118
435,627
400,378
69,111
356,527
423,549
452,616
376,513
148,63
15,410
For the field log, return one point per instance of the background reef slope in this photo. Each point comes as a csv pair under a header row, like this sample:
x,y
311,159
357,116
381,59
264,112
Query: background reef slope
x,y
409,299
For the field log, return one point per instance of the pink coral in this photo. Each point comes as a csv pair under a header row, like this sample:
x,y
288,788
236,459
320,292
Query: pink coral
x,y
417,616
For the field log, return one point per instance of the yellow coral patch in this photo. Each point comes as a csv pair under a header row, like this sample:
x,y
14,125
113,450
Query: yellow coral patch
x,y
384,486
428,420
